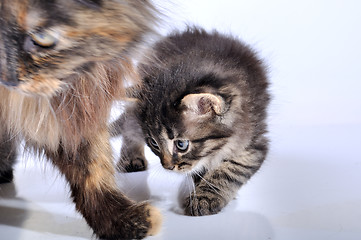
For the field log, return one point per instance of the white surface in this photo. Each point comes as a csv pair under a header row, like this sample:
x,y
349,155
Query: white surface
x,y
309,186
307,189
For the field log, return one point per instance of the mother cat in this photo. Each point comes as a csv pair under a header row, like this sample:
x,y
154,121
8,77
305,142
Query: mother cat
x,y
59,66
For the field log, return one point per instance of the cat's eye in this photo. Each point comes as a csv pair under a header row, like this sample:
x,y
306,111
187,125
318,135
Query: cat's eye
x,y
182,145
45,39
153,143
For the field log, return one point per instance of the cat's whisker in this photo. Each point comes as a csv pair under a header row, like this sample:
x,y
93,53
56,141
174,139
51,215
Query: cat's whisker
x,y
190,181
212,186
191,189
157,171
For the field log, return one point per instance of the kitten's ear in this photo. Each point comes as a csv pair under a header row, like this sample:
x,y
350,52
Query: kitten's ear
x,y
203,104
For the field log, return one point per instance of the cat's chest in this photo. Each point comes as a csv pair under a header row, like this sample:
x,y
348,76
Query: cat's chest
x,y
29,117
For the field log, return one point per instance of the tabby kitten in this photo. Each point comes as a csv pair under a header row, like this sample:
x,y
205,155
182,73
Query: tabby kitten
x,y
62,63
202,109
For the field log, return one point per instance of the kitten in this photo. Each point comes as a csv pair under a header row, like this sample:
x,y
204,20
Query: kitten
x,y
202,109
62,63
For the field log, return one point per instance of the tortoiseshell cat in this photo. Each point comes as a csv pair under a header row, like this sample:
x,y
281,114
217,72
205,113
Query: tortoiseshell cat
x,y
62,63
202,109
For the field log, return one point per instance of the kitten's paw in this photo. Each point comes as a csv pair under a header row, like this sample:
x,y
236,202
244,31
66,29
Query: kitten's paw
x,y
203,204
132,163
136,165
136,222
6,177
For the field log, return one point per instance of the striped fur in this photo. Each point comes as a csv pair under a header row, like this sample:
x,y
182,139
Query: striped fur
x,y
210,90
62,64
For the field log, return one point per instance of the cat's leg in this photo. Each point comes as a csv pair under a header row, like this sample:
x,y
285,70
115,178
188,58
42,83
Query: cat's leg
x,y
132,157
7,157
90,173
216,188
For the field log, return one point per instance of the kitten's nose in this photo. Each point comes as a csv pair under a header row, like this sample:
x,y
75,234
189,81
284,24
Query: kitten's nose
x,y
167,162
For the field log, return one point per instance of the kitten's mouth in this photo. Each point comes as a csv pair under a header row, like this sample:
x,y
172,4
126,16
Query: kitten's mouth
x,y
181,167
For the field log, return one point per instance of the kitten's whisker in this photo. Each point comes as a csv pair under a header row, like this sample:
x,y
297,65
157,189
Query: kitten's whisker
x,y
191,189
157,171
212,186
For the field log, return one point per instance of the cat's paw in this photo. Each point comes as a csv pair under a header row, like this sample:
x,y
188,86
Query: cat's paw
x,y
202,204
6,177
136,222
135,165
132,163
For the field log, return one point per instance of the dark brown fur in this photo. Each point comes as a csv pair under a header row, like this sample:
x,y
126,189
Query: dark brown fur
x,y
58,97
207,92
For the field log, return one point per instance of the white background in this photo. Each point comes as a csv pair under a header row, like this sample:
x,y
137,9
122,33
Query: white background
x,y
312,49
309,186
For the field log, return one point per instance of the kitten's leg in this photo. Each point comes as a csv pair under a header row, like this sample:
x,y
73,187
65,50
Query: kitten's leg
x,y
132,157
215,189
90,174
7,157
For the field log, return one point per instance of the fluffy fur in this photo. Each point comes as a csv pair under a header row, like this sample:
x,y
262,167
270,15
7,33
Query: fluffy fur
x,y
62,63
202,109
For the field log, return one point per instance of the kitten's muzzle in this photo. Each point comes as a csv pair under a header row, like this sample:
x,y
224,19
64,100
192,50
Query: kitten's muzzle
x,y
167,162
169,167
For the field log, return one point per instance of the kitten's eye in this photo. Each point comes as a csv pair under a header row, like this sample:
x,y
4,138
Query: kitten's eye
x,y
182,145
45,39
154,144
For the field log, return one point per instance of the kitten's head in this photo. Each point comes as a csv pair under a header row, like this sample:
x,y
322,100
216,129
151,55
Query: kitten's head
x,y
185,134
45,43
202,99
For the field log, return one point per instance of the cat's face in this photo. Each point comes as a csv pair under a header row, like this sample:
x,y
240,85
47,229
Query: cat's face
x,y
188,142
43,43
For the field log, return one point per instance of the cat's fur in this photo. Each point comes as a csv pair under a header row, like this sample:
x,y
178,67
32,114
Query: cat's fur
x,y
62,63
209,89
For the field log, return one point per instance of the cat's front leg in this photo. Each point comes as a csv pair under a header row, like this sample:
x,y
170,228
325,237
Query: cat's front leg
x,y
7,157
90,173
216,188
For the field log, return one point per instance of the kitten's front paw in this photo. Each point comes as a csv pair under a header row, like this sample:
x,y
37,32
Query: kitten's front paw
x,y
202,204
